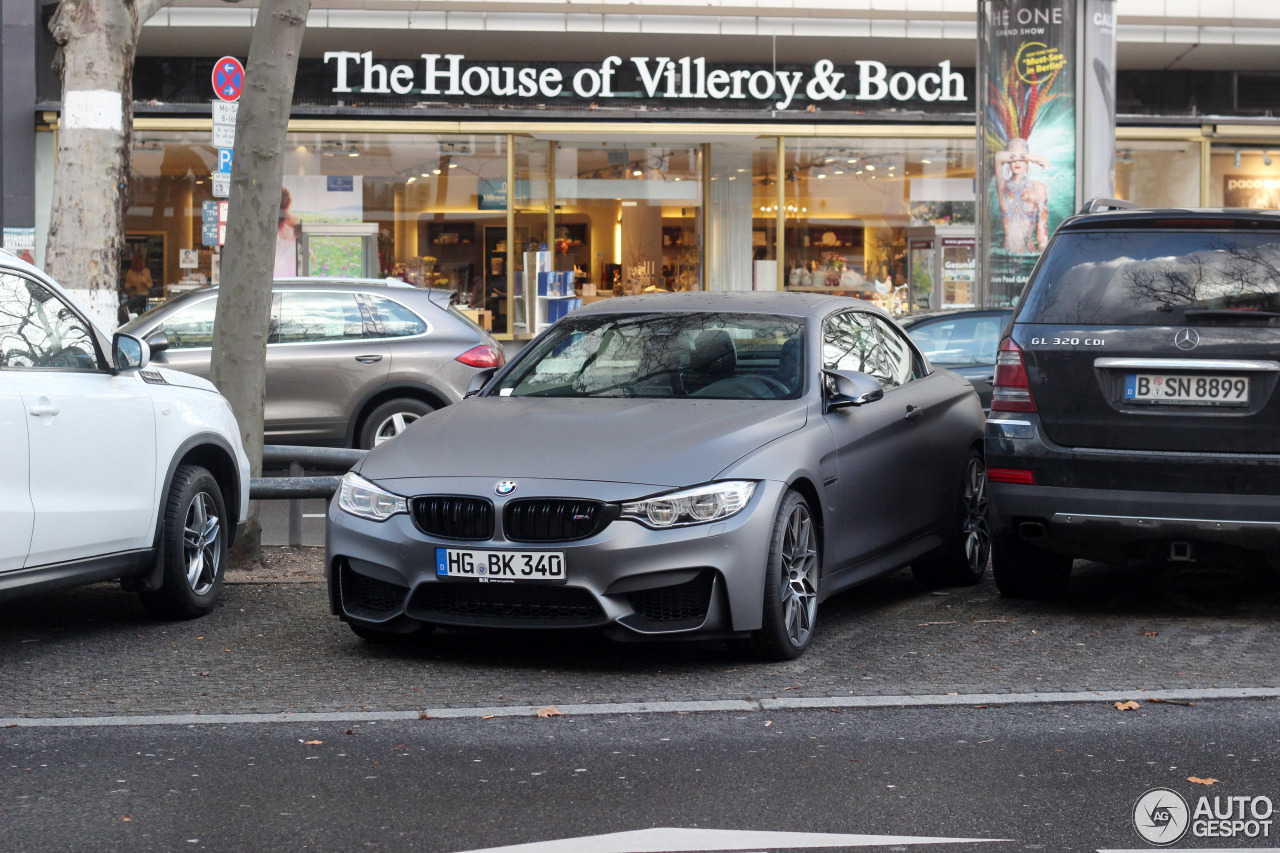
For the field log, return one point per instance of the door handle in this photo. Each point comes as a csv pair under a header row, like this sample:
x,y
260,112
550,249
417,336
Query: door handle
x,y
368,359
914,412
43,411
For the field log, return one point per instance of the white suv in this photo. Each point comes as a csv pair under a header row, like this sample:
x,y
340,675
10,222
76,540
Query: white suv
x,y
111,468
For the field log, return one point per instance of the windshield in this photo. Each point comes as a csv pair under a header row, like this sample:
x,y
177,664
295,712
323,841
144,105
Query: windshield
x,y
1156,278
707,355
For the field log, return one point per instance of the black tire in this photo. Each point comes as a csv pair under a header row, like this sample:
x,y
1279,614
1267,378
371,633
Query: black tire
x,y
389,419
964,561
790,584
1021,570
194,543
374,635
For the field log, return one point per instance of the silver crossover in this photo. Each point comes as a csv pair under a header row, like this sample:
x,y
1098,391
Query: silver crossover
x,y
349,361
656,466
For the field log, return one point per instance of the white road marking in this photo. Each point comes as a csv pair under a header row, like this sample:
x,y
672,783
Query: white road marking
x,y
676,840
925,701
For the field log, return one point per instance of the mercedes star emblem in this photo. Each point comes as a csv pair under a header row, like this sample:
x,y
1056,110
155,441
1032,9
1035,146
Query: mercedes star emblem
x,y
506,487
1186,339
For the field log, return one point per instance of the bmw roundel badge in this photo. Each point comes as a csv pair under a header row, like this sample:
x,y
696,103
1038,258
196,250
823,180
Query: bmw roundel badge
x,y
505,487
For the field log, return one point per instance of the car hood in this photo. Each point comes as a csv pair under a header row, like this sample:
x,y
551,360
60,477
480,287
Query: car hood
x,y
180,379
664,443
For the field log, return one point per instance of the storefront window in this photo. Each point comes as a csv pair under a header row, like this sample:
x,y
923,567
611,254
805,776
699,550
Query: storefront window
x,y
849,204
415,206
741,232
1158,174
1244,177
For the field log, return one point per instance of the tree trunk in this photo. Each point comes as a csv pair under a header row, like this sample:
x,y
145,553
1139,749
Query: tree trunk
x,y
91,182
97,41
248,258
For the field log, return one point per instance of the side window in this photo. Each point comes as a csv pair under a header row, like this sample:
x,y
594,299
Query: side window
x,y
857,341
310,317
39,330
395,320
192,326
960,341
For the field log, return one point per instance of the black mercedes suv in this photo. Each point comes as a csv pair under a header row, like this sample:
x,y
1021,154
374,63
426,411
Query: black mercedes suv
x,y
1135,412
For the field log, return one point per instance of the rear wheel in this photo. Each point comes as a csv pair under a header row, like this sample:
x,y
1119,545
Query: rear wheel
x,y
194,543
790,584
390,419
1021,570
964,561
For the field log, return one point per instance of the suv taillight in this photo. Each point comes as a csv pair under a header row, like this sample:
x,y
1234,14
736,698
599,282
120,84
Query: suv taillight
x,y
1012,391
482,356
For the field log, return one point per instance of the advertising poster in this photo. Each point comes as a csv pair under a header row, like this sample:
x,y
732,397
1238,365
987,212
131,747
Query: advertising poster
x,y
1259,192
1027,135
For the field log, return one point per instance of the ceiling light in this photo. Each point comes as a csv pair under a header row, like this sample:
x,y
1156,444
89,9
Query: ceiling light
x,y
1237,159
852,161
740,171
679,179
453,165
870,168
411,180
926,161
435,171
839,171
353,153
1266,159
821,175
637,173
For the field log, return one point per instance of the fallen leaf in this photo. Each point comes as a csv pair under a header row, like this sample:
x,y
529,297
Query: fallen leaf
x,y
1127,706
1151,633
127,818
423,716
314,742
1172,702
549,711
979,706
399,746
350,732
797,687
1200,781
490,716
768,722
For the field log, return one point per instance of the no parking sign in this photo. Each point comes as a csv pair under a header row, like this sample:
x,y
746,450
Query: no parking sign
x,y
228,78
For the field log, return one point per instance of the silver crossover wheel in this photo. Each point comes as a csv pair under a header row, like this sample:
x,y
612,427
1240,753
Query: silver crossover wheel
x,y
202,543
963,560
392,426
389,419
799,593
790,610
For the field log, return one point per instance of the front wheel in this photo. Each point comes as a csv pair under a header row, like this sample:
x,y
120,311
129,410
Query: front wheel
x,y
964,561
390,419
790,584
194,545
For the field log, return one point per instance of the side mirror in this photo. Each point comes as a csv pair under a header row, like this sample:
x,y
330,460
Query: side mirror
x,y
478,381
129,353
847,388
158,342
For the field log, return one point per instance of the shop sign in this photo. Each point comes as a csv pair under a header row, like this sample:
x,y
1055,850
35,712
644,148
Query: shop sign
x,y
491,193
1261,192
660,78
221,185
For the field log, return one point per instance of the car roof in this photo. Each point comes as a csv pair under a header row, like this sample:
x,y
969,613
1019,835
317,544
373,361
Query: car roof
x,y
728,301
1190,218
915,319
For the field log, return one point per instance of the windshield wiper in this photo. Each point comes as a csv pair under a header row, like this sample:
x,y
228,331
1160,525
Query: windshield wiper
x,y
1229,314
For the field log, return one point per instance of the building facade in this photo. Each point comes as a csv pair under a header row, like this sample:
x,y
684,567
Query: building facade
x,y
645,146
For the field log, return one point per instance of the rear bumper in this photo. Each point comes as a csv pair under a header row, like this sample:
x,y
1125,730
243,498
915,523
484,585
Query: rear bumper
x,y
1108,523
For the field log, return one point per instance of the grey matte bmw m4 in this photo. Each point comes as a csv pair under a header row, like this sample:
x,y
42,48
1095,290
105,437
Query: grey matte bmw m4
x,y
709,465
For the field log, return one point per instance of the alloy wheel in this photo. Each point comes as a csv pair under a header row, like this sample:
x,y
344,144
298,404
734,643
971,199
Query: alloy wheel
x,y
201,544
799,594
977,528
393,426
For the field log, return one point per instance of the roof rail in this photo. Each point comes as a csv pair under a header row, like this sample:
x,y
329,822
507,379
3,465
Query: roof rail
x,y
1094,205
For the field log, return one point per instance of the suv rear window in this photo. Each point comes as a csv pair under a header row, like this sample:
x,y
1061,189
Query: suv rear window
x,y
1154,278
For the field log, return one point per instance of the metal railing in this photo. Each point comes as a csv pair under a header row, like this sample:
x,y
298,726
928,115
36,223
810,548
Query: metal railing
x,y
297,486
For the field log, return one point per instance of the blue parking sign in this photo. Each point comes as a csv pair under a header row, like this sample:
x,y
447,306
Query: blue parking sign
x,y
224,160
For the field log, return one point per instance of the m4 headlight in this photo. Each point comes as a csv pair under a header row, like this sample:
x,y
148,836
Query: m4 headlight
x,y
699,505
360,497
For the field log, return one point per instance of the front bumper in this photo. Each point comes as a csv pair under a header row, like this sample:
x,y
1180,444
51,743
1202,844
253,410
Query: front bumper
x,y
1146,501
629,580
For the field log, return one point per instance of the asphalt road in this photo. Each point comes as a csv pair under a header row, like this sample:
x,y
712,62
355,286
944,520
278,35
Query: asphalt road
x,y
1048,777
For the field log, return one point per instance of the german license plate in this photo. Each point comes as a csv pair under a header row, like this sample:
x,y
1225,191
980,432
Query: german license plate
x,y
1194,390
500,565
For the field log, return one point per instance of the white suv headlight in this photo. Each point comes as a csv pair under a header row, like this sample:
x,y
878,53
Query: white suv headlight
x,y
360,497
712,502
